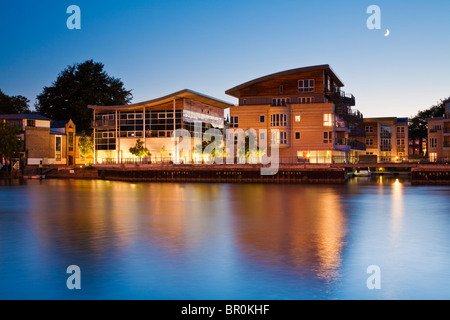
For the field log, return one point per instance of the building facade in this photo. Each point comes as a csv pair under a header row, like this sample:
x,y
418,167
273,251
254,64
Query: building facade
x,y
118,128
305,111
386,138
439,136
45,142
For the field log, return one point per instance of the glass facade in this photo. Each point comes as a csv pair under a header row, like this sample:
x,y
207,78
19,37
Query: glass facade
x,y
152,124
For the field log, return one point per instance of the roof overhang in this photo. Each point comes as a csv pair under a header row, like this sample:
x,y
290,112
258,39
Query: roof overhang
x,y
235,92
186,93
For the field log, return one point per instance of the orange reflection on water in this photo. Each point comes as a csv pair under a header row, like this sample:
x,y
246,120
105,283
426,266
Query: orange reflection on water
x,y
302,227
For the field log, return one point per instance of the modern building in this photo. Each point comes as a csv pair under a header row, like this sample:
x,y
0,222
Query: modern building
x,y
386,138
307,106
117,128
46,141
439,136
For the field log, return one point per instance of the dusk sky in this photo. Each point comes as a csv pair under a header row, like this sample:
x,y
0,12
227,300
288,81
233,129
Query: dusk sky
x,y
159,47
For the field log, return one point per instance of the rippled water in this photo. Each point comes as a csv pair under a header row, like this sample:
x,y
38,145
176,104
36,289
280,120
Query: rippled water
x,y
224,241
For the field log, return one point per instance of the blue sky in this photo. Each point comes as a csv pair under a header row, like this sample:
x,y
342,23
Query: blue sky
x,y
159,47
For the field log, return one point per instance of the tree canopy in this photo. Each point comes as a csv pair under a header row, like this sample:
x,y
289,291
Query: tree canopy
x,y
78,86
418,125
10,143
138,149
13,104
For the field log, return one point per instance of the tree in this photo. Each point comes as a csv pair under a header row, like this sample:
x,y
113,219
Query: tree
x,y
418,128
86,145
138,149
13,104
10,143
78,86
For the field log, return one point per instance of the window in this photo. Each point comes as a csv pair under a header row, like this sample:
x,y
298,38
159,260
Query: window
x,y
244,102
369,129
278,120
369,142
305,85
58,149
327,120
401,142
261,136
31,123
298,118
281,89
433,156
234,122
328,137
297,136
70,141
130,116
262,119
400,129
280,102
161,115
433,142
305,100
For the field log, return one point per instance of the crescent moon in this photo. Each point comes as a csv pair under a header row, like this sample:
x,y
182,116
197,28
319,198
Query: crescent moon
x,y
387,33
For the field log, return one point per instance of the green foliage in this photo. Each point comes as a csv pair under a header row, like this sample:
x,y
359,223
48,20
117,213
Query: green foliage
x,y
418,125
13,104
78,86
138,149
86,145
10,143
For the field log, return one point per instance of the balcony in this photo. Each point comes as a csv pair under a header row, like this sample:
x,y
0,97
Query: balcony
x,y
353,144
339,97
103,123
342,126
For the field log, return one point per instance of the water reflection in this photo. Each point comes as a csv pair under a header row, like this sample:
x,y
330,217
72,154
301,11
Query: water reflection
x,y
224,241
291,227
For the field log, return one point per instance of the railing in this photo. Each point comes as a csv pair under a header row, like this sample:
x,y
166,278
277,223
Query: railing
x,y
354,144
103,123
446,130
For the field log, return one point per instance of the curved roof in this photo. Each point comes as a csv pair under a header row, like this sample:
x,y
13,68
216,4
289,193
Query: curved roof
x,y
235,91
186,93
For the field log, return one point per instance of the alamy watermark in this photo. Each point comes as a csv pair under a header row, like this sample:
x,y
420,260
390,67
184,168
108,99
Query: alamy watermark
x,y
374,280
74,20
74,280
236,145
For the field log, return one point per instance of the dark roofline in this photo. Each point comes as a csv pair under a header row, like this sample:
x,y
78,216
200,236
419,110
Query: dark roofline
x,y
186,93
281,74
22,116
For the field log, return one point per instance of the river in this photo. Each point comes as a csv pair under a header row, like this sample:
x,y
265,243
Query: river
x,y
224,241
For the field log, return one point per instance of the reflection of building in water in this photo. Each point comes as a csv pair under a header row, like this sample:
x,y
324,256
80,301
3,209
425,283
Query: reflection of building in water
x,y
302,228
95,216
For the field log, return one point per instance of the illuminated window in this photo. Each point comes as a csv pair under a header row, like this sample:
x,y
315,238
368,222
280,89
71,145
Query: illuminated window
x,y
328,120
297,118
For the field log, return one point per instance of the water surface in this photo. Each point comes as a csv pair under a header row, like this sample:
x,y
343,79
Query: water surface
x,y
224,241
